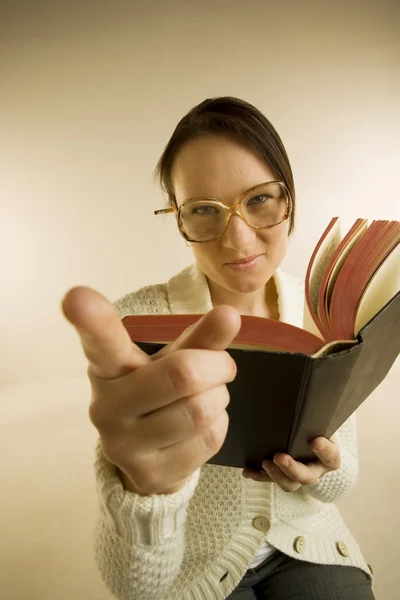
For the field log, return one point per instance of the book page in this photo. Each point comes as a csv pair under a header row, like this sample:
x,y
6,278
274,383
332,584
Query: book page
x,y
366,258
324,254
383,286
315,272
340,262
334,347
256,333
308,322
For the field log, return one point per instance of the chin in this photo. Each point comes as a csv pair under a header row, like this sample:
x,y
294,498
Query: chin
x,y
245,283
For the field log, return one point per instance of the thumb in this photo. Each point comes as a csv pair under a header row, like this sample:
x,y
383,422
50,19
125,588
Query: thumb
x,y
214,331
104,339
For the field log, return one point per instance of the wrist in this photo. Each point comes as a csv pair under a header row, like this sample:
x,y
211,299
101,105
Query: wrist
x,y
130,487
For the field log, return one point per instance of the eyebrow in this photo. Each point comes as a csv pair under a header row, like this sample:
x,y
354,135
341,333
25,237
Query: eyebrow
x,y
238,196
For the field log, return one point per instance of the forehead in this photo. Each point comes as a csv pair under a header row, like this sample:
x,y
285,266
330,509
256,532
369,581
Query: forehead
x,y
217,166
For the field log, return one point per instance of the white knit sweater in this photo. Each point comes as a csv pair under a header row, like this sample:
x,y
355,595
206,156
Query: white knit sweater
x,y
198,543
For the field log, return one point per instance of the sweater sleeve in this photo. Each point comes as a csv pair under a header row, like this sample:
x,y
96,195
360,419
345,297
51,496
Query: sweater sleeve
x,y
335,484
139,540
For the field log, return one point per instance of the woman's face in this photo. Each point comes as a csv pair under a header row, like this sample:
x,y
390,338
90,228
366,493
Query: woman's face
x,y
220,167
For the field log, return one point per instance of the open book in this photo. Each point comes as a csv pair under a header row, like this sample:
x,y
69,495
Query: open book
x,y
348,282
296,384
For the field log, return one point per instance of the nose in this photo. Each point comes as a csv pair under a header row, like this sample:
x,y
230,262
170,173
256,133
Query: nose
x,y
238,234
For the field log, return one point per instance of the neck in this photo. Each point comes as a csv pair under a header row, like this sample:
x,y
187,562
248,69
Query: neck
x,y
261,303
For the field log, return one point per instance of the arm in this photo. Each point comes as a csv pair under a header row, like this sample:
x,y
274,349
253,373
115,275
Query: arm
x,y
139,541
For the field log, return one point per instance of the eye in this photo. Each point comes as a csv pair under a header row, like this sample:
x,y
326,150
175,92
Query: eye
x,y
261,199
204,210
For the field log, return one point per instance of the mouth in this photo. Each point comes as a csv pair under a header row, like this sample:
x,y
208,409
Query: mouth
x,y
243,261
245,264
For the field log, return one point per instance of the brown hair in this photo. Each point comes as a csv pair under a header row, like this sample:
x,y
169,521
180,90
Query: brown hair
x,y
239,119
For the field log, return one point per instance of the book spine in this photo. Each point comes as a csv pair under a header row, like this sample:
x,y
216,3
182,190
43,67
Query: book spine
x,y
380,342
299,408
324,383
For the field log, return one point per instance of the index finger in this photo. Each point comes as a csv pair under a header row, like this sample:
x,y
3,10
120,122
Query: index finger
x,y
214,331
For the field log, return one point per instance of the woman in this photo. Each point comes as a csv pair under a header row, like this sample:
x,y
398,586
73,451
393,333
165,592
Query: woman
x,y
171,525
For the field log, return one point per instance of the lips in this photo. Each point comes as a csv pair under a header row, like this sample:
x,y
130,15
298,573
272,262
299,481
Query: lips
x,y
242,261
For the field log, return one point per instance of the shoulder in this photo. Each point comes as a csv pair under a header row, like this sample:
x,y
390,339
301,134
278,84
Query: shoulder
x,y
185,292
160,298
148,300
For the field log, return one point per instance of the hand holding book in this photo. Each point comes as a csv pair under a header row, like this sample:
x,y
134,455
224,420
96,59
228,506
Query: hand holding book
x,y
159,418
291,474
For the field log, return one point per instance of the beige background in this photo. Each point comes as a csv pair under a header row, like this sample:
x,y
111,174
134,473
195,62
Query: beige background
x,y
89,96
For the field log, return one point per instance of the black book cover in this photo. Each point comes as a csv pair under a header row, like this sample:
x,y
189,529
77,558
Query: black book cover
x,y
281,401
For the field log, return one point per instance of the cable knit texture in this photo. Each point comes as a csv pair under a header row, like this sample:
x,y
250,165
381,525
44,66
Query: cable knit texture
x,y
198,543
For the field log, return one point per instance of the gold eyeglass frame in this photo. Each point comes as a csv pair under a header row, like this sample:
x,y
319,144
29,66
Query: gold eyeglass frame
x,y
233,210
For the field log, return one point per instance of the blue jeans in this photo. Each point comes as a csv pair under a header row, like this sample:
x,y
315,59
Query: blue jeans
x,y
280,577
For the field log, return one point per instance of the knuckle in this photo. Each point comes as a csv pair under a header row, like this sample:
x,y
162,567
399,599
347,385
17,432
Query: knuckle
x,y
225,395
214,436
95,379
332,462
307,480
90,374
212,439
231,366
98,415
183,374
204,408
199,413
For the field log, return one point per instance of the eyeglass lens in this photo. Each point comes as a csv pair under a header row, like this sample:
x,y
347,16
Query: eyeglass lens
x,y
205,219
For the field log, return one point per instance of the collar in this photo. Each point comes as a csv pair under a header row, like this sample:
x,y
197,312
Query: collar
x,y
188,293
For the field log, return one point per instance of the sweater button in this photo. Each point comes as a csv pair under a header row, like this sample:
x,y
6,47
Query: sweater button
x,y
261,523
342,549
299,544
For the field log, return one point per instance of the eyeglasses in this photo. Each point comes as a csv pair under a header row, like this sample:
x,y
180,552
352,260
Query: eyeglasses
x,y
205,219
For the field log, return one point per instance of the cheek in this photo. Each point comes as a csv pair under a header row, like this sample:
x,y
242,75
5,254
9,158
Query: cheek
x,y
276,241
206,254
